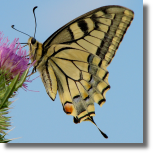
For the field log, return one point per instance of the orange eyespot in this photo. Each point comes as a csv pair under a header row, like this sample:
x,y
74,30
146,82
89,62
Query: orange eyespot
x,y
68,107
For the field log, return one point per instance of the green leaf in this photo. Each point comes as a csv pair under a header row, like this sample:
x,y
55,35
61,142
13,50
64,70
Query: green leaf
x,y
2,80
4,111
3,128
9,91
2,92
2,85
5,141
7,103
22,79
5,124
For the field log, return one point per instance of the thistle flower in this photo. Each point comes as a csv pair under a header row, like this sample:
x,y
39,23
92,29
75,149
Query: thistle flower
x,y
13,59
14,69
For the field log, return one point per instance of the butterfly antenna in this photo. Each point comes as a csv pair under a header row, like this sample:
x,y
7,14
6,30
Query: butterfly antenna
x,y
91,119
19,31
35,19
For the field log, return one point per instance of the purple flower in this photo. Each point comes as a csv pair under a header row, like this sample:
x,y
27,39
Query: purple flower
x,y
13,59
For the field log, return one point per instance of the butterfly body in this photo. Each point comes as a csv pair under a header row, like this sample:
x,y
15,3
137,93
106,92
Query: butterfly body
x,y
73,60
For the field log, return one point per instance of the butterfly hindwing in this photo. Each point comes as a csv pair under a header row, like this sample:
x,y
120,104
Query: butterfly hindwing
x,y
80,80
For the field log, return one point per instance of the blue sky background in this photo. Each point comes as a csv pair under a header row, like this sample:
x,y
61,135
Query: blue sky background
x,y
37,119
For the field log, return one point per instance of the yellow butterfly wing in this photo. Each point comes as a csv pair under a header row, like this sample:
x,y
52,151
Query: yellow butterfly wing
x,y
81,80
77,57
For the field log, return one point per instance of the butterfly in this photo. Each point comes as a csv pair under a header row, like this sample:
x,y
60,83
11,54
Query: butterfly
x,y
74,59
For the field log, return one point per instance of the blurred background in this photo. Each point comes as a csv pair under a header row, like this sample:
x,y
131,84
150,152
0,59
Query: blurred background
x,y
37,119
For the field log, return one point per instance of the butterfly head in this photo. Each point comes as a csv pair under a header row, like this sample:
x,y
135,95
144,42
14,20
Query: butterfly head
x,y
35,49
32,43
